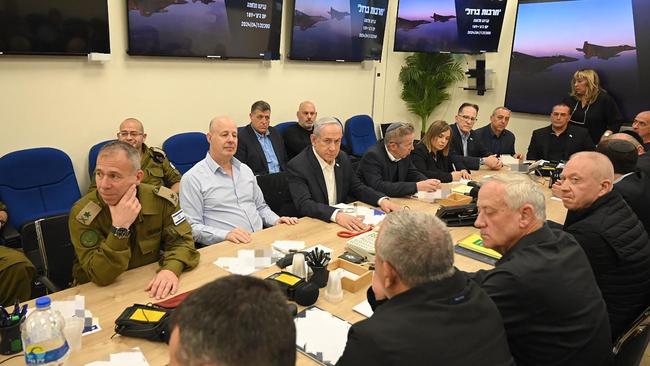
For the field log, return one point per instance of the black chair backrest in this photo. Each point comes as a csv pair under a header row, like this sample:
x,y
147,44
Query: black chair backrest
x,y
275,188
56,257
629,348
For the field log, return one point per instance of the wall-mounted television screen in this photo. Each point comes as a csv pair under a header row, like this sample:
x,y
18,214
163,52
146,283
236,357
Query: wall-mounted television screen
x,y
338,30
54,27
456,26
553,39
205,28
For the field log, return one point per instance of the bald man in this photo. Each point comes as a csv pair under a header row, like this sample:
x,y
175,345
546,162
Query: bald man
x,y
220,195
158,170
641,125
298,136
611,235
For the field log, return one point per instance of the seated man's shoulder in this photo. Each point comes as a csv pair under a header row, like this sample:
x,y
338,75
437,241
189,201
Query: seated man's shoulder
x,y
149,193
157,154
86,209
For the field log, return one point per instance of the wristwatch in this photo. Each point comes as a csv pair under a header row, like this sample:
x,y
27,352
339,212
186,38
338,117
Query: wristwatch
x,y
481,161
120,232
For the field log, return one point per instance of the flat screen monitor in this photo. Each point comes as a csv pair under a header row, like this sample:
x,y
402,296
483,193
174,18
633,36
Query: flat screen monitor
x,y
553,39
456,26
205,28
54,27
338,30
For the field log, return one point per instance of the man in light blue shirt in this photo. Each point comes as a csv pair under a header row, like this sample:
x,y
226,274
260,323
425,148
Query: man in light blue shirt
x,y
220,195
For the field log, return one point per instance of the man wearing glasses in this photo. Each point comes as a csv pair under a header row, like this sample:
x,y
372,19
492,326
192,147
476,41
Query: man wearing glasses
x,y
466,143
158,170
641,125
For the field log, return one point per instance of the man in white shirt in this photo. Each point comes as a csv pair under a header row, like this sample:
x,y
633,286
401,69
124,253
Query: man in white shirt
x,y
220,195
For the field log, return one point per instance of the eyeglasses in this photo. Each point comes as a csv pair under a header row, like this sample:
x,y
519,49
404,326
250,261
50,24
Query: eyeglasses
x,y
639,122
467,118
129,133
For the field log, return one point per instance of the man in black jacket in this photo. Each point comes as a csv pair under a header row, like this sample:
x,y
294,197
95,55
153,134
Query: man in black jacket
x,y
560,140
387,166
430,303
322,177
543,285
495,136
297,137
466,144
260,145
631,183
611,235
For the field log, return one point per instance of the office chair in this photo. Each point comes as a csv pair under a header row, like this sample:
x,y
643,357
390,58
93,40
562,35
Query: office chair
x,y
360,134
39,188
281,127
186,149
92,156
275,188
629,348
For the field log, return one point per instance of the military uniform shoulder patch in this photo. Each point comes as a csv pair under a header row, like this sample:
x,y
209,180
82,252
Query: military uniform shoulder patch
x,y
158,154
89,238
88,213
167,194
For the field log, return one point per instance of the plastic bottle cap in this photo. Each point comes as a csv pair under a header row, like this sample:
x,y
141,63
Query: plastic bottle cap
x,y
43,302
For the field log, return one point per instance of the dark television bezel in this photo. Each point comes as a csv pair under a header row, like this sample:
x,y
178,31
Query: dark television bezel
x,y
322,59
72,54
267,55
472,52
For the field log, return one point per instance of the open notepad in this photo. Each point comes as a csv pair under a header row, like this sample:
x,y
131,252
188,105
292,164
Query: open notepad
x,y
320,335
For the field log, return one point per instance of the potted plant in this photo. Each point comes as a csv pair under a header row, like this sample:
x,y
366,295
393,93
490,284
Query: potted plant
x,y
425,78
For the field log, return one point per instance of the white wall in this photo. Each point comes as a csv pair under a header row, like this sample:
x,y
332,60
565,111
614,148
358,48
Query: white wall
x,y
70,104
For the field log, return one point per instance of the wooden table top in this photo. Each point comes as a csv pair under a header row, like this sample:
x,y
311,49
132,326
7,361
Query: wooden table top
x,y
108,302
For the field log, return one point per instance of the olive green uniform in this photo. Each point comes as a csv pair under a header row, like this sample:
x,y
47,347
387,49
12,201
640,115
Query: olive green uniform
x,y
158,170
159,233
16,274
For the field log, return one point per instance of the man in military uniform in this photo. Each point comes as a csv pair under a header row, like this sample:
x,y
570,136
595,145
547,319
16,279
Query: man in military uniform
x,y
158,170
126,224
16,271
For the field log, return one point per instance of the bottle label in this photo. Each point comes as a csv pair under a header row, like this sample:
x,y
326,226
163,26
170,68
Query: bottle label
x,y
35,354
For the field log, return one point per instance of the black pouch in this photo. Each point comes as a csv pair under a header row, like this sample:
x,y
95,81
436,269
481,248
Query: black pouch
x,y
144,321
463,215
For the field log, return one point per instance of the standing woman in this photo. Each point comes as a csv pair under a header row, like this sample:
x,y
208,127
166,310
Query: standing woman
x,y
592,107
431,154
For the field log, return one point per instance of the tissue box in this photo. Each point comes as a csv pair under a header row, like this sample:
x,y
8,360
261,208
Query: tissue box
x,y
363,275
455,199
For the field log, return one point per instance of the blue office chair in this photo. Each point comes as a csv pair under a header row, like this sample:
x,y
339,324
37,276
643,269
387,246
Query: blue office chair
x,y
92,156
37,183
281,127
186,149
360,134
39,188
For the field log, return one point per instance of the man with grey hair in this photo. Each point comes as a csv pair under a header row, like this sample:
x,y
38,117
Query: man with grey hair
x,y
387,166
611,235
495,137
126,224
322,177
248,324
220,194
543,284
261,146
430,302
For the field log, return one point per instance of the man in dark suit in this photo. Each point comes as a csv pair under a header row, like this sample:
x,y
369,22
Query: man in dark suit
x,y
560,140
322,177
465,142
260,145
297,137
387,166
495,137
643,160
430,303
641,126
543,284
630,182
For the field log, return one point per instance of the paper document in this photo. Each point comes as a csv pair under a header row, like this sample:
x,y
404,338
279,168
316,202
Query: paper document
x,y
462,189
508,160
246,262
364,309
321,335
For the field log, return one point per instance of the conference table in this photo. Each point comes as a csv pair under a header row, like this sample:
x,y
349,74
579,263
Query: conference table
x,y
108,302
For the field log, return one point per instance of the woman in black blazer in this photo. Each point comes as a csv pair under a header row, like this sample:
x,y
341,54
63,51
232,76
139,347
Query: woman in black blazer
x,y
431,154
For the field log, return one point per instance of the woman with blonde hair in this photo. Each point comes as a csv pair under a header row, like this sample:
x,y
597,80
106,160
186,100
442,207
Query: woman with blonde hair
x,y
431,155
592,107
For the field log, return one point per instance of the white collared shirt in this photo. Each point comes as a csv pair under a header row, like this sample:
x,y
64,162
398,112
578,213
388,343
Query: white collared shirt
x,y
390,156
622,177
330,179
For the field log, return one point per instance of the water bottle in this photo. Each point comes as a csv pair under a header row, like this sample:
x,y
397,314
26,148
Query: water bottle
x,y
43,338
